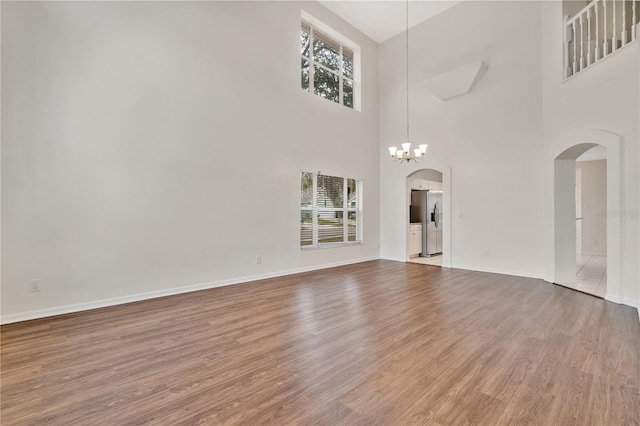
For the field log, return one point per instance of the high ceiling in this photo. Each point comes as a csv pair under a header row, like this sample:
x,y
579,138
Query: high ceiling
x,y
381,20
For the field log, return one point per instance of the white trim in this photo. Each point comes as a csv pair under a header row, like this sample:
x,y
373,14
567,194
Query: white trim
x,y
321,246
499,271
343,41
394,259
570,148
345,209
326,29
630,302
569,284
404,179
612,298
79,307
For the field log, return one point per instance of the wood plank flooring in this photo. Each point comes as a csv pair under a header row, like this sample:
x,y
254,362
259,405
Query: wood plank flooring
x,y
373,343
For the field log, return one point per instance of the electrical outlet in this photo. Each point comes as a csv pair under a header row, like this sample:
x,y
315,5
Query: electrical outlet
x,y
34,285
258,259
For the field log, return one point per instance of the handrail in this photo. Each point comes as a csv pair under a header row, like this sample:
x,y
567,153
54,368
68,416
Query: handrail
x,y
581,12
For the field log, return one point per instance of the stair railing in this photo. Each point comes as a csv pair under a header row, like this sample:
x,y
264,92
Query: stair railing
x,y
601,28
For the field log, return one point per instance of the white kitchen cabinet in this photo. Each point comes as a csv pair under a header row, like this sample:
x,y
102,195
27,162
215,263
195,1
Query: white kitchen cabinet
x,y
415,239
423,185
419,184
435,186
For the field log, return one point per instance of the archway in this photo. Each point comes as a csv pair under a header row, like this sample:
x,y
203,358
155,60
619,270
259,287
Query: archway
x,y
445,171
394,211
425,236
563,259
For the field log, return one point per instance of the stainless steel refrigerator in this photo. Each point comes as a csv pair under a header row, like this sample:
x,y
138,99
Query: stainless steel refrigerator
x,y
426,207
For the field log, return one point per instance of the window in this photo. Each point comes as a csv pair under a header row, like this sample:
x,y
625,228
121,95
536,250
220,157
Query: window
x,y
328,65
330,210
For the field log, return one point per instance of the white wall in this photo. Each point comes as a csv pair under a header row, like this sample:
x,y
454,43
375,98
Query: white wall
x,y
151,148
594,206
604,97
491,138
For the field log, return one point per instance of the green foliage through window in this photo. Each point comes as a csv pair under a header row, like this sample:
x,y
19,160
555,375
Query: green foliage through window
x,y
327,66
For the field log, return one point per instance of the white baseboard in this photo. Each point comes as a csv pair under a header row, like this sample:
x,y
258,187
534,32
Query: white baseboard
x,y
103,303
613,298
499,271
394,259
573,285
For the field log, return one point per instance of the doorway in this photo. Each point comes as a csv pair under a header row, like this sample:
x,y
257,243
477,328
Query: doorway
x,y
591,222
565,265
425,236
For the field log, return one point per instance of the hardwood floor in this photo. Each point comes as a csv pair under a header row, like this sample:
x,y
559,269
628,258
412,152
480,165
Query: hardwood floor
x,y
373,343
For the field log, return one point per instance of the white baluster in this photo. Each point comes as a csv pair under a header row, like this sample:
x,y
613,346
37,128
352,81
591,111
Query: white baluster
x,y
581,42
565,49
596,3
605,47
575,51
624,22
567,69
634,29
614,41
588,37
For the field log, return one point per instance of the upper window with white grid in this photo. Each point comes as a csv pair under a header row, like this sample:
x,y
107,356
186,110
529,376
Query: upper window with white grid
x,y
327,65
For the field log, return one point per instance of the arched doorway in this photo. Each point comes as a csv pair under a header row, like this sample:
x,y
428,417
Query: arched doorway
x,y
429,171
394,211
425,227
563,257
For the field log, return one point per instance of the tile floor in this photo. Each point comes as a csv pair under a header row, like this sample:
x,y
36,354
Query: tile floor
x,y
591,272
433,260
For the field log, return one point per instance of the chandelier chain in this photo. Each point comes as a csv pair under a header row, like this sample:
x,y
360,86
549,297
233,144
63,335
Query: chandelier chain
x,y
407,55
405,154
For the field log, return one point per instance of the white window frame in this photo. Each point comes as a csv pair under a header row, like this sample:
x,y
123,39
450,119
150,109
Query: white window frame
x,y
314,209
343,42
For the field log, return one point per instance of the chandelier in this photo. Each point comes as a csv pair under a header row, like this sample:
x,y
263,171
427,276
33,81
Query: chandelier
x,y
405,153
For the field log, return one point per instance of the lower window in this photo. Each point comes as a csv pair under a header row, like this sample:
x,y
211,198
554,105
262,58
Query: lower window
x,y
330,210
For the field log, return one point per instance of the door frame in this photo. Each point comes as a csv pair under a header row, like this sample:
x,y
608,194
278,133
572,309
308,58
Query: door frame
x,y
446,206
561,260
